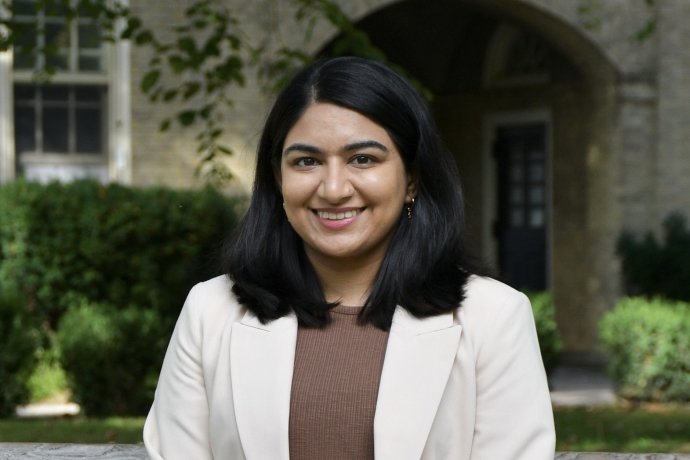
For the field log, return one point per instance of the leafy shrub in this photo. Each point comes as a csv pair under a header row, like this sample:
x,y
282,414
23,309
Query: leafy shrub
x,y
547,331
109,244
112,357
123,260
19,339
652,268
649,346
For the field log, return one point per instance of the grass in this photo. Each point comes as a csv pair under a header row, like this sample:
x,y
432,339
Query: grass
x,y
78,430
608,429
648,428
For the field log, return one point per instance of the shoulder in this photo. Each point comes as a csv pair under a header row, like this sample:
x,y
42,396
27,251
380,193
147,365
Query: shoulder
x,y
211,304
490,307
487,293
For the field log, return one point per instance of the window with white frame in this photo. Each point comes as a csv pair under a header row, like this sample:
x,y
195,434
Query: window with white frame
x,y
76,46
59,119
61,125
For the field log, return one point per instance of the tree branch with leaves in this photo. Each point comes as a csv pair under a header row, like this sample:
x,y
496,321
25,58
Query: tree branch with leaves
x,y
206,58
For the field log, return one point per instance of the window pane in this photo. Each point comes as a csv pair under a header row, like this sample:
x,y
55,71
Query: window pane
x,y
57,38
516,173
90,63
516,195
537,172
87,94
24,129
85,9
24,7
55,129
516,154
55,10
22,60
24,94
536,154
517,217
89,131
89,37
24,45
57,34
55,93
536,194
59,61
536,218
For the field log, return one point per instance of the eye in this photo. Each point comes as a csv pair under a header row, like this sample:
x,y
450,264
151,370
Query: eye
x,y
305,162
362,160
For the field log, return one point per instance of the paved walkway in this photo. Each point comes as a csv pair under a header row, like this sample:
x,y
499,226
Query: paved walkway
x,y
581,386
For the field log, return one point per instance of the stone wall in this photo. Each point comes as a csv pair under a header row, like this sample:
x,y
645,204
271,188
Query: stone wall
x,y
13,451
621,161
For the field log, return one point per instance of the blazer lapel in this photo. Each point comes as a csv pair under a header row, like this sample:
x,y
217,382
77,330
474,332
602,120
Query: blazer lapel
x,y
419,358
262,358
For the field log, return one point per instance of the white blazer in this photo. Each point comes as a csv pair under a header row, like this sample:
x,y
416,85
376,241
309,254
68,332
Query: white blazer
x,y
465,385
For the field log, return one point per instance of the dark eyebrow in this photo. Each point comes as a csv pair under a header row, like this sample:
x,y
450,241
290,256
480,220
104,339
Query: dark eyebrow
x,y
301,148
346,148
364,145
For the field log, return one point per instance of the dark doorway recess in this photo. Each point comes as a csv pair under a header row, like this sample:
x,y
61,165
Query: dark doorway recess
x,y
521,228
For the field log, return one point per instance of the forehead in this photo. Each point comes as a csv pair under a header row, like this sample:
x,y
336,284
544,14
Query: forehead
x,y
330,123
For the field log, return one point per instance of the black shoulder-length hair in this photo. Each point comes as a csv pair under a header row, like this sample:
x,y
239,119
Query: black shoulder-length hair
x,y
426,265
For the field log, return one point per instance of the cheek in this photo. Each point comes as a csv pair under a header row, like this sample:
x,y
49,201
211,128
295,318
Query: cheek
x,y
389,187
295,189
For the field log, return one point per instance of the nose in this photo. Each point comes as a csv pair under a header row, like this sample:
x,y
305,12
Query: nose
x,y
336,186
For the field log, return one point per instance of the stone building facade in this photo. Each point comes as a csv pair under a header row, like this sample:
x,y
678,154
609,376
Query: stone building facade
x,y
567,129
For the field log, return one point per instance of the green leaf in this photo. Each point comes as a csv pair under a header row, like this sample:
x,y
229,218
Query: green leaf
x,y
177,63
170,94
188,45
200,24
186,117
224,150
133,24
143,37
165,125
190,90
150,79
205,112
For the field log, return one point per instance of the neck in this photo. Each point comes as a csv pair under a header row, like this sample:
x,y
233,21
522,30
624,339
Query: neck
x,y
345,281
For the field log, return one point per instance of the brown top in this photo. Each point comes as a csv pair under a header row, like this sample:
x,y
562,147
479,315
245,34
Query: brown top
x,y
335,384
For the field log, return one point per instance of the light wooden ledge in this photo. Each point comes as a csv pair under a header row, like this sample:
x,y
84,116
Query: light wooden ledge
x,y
43,451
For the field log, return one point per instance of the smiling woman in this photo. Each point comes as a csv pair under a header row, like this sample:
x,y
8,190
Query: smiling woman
x,y
351,323
343,184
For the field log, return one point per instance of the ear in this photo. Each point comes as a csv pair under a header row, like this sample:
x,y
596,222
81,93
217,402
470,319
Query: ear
x,y
411,187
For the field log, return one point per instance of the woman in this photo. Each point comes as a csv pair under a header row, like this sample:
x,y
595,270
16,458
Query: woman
x,y
349,325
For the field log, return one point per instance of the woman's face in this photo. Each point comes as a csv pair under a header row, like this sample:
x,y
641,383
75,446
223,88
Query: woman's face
x,y
344,185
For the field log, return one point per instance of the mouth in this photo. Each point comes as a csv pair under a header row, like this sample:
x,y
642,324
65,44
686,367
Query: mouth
x,y
340,214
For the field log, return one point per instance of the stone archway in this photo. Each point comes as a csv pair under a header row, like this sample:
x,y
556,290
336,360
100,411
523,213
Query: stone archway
x,y
475,58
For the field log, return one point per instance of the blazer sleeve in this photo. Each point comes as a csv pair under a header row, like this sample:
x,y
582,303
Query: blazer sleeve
x,y
177,424
514,418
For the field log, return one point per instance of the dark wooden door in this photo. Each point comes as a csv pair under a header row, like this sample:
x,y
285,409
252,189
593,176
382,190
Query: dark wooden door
x,y
521,229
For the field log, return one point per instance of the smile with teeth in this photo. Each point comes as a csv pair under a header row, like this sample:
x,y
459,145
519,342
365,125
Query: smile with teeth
x,y
337,215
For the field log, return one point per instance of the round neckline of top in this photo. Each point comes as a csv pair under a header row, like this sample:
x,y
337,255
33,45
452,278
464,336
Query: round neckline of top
x,y
347,309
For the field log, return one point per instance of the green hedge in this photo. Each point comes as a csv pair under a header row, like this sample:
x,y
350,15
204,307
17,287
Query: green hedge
x,y
109,244
547,331
649,346
115,255
19,339
658,267
112,357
